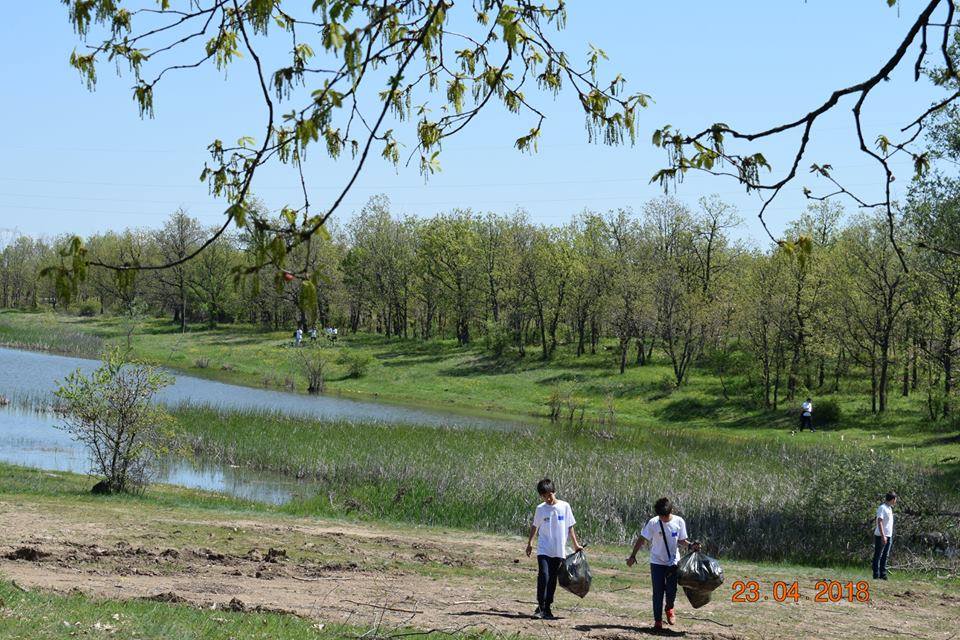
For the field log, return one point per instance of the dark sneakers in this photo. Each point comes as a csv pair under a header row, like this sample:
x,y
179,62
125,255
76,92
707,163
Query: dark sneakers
x,y
544,613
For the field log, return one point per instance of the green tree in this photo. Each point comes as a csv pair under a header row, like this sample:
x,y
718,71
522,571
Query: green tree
x,y
933,212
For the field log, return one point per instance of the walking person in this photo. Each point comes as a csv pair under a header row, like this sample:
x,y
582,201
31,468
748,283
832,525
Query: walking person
x,y
552,523
666,533
806,415
298,336
883,536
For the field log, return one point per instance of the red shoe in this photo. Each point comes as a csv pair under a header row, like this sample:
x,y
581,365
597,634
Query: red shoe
x,y
658,625
671,617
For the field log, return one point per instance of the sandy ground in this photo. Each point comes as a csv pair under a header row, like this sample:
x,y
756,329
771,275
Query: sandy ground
x,y
421,578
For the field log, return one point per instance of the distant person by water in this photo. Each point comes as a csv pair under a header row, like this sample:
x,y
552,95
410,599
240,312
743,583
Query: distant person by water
x,y
298,336
806,415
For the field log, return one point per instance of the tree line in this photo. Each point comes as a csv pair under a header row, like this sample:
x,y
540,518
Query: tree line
x,y
795,317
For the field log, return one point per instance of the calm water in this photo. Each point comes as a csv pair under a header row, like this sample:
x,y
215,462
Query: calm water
x,y
31,439
29,372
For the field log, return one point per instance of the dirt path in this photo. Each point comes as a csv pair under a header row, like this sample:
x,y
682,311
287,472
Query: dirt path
x,y
427,579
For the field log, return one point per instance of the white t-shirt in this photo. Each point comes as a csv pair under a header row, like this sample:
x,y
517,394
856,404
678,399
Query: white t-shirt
x,y
553,521
807,408
885,513
676,530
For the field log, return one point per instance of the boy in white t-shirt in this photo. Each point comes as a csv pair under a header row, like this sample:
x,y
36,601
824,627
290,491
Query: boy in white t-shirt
x,y
666,533
552,522
883,536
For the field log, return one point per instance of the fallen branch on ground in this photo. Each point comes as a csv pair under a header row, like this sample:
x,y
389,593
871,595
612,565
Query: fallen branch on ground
x,y
383,607
722,624
902,633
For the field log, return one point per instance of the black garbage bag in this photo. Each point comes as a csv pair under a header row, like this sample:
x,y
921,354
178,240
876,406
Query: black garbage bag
x,y
575,574
699,575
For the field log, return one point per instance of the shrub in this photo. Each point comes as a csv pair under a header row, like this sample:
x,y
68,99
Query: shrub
x,y
201,363
497,339
826,412
313,367
111,412
88,309
356,362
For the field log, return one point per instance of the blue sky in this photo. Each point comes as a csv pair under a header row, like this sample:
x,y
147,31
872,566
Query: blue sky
x,y
81,162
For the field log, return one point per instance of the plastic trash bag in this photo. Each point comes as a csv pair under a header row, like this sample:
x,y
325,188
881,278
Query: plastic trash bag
x,y
575,574
699,575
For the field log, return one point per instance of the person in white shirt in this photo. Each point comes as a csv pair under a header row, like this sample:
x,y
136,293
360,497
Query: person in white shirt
x,y
666,533
883,536
806,415
552,522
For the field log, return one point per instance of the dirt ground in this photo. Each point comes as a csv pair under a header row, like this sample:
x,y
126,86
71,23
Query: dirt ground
x,y
408,577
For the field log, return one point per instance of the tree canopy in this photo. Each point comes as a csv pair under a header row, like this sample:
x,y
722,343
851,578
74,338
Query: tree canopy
x,y
363,78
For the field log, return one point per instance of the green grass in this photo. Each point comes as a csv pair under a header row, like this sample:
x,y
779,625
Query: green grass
x,y
816,495
43,616
442,375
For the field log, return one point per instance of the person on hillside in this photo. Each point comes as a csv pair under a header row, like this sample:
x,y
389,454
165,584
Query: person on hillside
x,y
883,536
313,333
552,523
806,415
298,336
666,533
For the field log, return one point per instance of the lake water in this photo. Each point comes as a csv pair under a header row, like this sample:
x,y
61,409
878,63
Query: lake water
x,y
30,438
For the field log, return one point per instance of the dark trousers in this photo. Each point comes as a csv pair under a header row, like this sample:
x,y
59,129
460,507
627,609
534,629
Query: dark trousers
x,y
880,554
663,585
806,422
547,571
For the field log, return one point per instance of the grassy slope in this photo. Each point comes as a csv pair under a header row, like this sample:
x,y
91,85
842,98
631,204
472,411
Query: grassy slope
x,y
439,374
189,519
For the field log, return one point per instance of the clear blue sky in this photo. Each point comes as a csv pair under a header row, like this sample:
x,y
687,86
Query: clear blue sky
x,y
83,162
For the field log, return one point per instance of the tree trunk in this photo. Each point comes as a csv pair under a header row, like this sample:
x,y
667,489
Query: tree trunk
x,y
624,346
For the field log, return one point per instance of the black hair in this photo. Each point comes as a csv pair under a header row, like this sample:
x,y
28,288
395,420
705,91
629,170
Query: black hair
x,y
891,495
546,486
663,507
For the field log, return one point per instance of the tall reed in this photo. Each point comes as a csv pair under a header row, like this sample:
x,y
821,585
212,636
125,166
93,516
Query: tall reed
x,y
759,501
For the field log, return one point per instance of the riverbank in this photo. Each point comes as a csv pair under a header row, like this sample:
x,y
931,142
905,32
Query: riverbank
x,y
201,551
443,376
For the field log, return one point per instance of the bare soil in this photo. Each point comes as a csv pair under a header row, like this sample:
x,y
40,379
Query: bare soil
x,y
408,577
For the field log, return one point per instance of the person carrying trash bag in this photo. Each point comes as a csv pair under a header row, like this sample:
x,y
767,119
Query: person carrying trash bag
x,y
666,533
552,523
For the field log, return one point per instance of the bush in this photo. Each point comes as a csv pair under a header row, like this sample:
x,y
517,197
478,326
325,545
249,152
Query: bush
x,y
314,368
88,309
356,362
111,412
826,412
497,339
201,363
